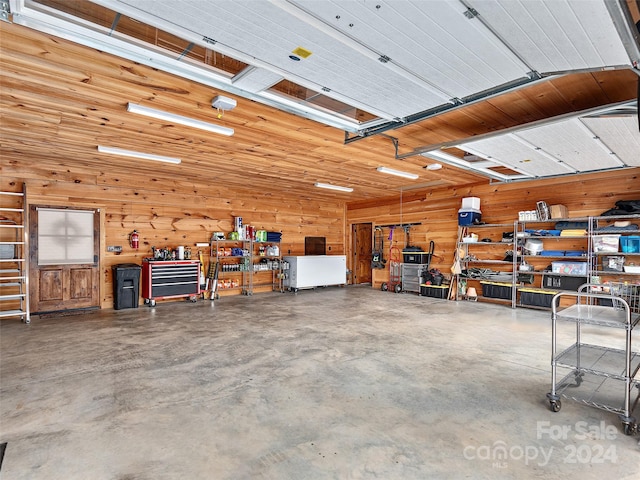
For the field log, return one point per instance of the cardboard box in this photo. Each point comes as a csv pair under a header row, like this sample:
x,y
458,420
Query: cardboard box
x,y
558,211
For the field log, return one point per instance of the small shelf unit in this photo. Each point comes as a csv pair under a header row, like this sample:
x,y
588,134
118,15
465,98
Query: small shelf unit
x,y
14,258
484,265
247,265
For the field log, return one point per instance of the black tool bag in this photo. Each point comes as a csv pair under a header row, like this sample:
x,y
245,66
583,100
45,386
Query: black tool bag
x,y
624,207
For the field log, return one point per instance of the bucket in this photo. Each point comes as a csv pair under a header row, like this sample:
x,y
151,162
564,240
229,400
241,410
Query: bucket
x,y
533,246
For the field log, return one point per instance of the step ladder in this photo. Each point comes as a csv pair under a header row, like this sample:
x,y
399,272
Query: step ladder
x,y
14,254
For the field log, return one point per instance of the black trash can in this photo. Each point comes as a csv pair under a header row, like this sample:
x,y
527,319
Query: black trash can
x,y
126,285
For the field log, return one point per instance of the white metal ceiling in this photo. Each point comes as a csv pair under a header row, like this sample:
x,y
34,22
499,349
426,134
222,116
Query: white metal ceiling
x,y
620,134
556,35
583,143
396,58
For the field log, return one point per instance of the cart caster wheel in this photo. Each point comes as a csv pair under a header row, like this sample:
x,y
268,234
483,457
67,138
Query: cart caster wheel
x,y
384,287
555,406
398,288
628,429
152,303
193,299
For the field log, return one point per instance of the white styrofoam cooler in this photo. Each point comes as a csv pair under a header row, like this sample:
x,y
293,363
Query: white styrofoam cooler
x,y
470,203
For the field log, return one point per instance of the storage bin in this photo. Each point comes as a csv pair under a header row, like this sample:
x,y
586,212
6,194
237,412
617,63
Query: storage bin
x,y
536,298
470,203
496,290
435,291
563,282
7,252
606,243
630,244
468,217
416,257
552,253
569,268
612,263
274,236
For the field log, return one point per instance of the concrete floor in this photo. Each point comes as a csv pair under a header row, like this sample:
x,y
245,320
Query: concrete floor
x,y
338,383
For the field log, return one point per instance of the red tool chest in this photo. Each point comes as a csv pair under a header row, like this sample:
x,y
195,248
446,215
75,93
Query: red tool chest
x,y
170,279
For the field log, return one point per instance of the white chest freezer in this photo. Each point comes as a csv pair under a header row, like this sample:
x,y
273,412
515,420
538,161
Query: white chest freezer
x,y
310,271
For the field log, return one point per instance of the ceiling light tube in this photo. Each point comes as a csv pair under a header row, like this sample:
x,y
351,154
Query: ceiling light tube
x,y
398,173
333,187
131,153
179,119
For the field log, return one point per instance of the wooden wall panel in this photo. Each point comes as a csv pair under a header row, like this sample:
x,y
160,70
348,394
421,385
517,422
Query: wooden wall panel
x,y
168,212
436,211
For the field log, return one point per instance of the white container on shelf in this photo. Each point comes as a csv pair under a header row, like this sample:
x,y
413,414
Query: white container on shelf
x,y
470,203
606,243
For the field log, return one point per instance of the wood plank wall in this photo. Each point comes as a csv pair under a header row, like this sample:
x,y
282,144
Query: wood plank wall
x,y
436,211
168,212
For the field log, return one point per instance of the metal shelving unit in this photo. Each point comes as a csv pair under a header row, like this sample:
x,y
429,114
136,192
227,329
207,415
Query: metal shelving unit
x,y
480,255
14,258
601,266
565,247
599,376
239,269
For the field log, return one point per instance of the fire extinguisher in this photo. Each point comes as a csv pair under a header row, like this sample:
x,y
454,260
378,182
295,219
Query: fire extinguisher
x,y
134,239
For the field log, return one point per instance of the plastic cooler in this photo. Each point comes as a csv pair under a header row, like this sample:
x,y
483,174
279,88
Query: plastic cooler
x,y
468,217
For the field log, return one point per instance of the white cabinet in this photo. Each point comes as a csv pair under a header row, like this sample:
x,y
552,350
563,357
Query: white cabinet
x,y
310,271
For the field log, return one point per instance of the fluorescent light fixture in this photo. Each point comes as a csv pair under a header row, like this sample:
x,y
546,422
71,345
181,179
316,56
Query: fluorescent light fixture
x,y
434,166
131,153
398,173
173,118
333,187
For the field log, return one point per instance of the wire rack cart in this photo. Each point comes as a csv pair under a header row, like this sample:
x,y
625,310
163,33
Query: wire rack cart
x,y
600,376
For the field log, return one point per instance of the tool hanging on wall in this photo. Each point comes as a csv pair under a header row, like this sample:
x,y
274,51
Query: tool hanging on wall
x,y
377,256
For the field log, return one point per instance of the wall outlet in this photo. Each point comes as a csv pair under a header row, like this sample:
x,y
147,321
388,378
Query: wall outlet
x,y
114,248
